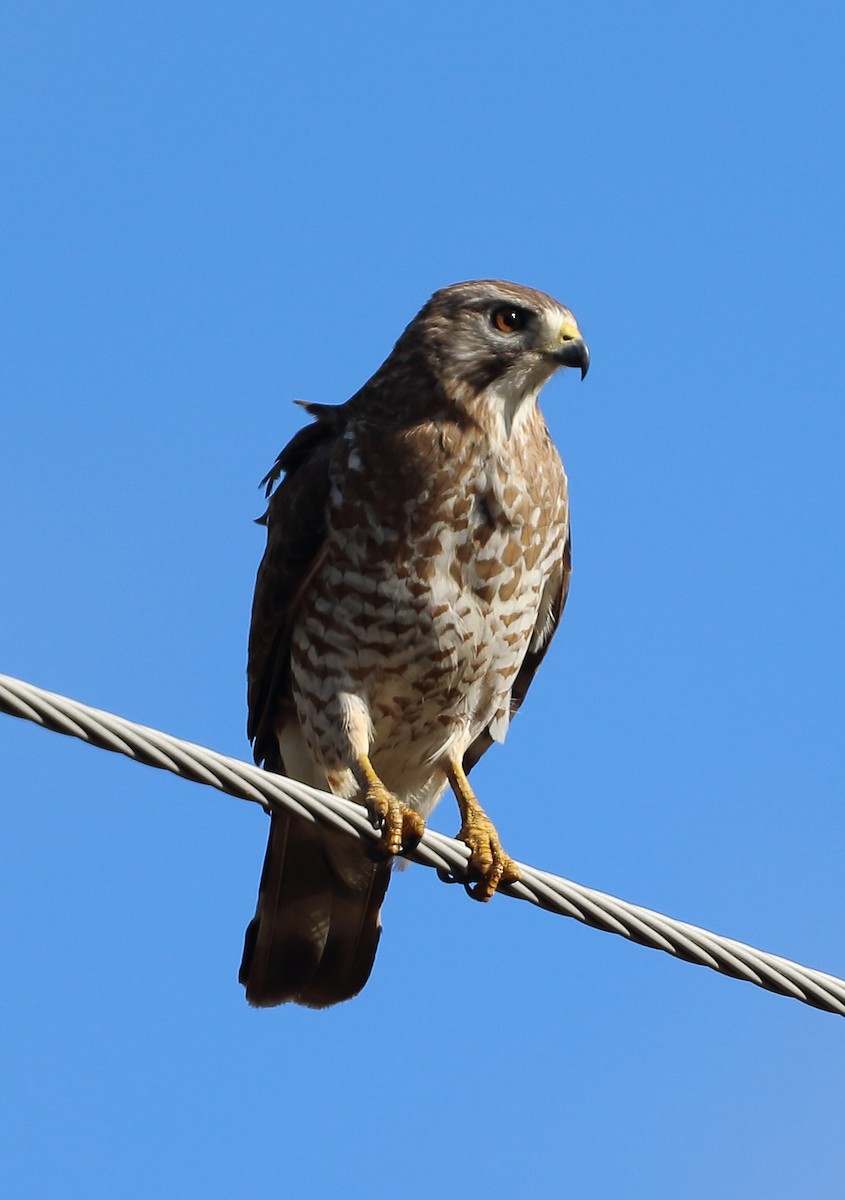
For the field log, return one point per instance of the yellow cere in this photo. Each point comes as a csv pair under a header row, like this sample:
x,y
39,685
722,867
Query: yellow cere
x,y
569,330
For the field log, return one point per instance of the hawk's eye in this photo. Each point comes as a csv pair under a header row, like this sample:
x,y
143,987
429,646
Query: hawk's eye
x,y
508,318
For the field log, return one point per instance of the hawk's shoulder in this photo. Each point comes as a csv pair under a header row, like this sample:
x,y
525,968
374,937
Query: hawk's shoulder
x,y
329,421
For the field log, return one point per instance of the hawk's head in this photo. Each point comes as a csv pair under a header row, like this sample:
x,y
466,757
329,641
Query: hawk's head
x,y
494,339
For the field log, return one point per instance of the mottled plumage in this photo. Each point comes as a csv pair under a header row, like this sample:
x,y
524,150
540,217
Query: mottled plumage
x,y
416,568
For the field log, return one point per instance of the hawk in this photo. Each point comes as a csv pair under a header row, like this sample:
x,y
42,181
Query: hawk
x,y
416,568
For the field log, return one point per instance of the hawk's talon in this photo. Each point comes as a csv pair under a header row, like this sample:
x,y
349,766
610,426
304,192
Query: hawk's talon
x,y
489,865
401,827
471,890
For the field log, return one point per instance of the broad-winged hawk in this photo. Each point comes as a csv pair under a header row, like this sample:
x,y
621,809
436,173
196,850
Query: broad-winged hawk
x,y
416,568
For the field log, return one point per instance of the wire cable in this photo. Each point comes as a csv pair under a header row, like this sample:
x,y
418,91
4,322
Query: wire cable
x,y
447,856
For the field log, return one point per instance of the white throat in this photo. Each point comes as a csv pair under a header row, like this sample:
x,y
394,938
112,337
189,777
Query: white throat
x,y
514,395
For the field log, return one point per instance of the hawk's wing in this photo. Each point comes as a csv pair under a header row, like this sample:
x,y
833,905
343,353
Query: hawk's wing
x,y
316,926
548,619
296,534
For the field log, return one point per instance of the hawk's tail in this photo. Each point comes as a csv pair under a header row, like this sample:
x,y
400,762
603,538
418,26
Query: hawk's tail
x,y
314,935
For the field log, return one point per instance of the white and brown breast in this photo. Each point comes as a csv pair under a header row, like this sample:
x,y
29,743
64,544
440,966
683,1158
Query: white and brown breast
x,y
444,555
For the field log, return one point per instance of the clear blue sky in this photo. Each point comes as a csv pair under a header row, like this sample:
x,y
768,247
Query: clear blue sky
x,y
211,209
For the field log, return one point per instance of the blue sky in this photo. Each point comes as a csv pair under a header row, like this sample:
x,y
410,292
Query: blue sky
x,y
210,210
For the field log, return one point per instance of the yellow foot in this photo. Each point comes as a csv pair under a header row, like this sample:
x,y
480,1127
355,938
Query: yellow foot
x,y
401,827
489,863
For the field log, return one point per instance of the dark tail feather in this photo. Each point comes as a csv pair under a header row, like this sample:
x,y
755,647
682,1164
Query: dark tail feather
x,y
314,935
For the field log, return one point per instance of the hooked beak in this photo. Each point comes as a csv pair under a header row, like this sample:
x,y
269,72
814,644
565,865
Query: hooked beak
x,y
574,353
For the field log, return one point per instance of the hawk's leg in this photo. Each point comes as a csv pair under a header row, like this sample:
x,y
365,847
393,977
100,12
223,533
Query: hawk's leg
x,y
401,827
489,862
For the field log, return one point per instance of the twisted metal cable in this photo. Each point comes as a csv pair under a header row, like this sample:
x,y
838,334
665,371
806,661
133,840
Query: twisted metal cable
x,y
449,857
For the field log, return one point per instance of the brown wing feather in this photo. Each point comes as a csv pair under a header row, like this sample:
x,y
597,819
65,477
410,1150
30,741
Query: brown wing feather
x,y
547,623
316,928
296,533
